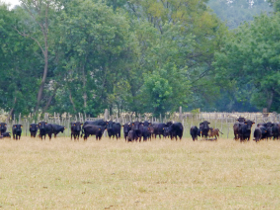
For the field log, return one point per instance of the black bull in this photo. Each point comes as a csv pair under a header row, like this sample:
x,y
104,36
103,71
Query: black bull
x,y
204,128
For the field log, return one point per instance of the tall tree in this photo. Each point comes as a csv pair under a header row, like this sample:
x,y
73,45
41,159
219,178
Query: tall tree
x,y
249,61
39,15
95,41
17,75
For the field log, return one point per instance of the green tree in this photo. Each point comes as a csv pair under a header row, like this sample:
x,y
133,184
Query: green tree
x,y
96,42
37,25
249,62
177,33
18,77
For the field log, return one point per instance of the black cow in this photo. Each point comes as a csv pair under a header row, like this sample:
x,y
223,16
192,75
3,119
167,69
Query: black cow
x,y
194,131
131,136
257,134
136,126
43,129
159,129
56,129
267,130
145,132
240,122
176,129
33,130
76,128
17,131
6,135
114,129
3,128
100,122
126,129
263,131
275,131
90,129
244,131
204,128
166,132
151,132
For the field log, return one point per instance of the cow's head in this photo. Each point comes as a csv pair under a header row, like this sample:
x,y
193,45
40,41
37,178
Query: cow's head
x,y
241,119
166,131
169,123
42,125
110,125
3,126
126,127
17,127
249,124
136,125
76,126
204,125
33,127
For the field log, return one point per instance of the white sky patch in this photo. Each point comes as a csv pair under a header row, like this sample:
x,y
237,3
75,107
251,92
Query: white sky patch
x,y
11,2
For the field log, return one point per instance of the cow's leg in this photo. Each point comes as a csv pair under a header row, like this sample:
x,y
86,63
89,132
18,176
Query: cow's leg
x,y
50,136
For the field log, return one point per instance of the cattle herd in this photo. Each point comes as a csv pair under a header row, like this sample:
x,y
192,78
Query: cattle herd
x,y
136,131
133,131
43,127
241,129
204,131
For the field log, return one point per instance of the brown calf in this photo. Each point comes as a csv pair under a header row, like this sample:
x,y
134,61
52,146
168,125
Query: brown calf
x,y
214,132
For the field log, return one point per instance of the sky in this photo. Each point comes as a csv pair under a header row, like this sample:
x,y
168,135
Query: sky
x,y
12,2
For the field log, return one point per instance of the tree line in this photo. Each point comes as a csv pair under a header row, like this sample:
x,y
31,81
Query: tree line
x,y
138,56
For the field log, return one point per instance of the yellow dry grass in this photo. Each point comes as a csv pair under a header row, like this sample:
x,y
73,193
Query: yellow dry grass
x,y
161,174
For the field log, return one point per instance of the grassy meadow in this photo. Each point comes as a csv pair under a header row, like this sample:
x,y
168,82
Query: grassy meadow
x,y
161,174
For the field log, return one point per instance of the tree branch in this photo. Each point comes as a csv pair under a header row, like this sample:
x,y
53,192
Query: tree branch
x,y
34,39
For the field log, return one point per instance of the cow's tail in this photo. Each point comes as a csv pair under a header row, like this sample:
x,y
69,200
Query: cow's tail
x,y
221,132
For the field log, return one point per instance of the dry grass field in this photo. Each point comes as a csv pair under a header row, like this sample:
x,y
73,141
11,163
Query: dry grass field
x,y
161,174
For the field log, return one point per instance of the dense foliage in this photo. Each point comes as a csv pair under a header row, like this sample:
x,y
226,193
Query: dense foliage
x,y
249,62
138,56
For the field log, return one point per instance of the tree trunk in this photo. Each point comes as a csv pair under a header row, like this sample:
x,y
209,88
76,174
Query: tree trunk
x,y
12,110
50,100
84,85
270,100
40,92
72,102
